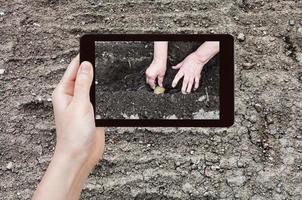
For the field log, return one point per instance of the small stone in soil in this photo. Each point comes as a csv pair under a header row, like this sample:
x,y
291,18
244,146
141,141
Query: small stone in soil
x,y
171,117
299,57
241,37
2,71
202,98
39,98
269,119
236,18
253,118
9,166
258,107
291,22
248,65
278,188
134,116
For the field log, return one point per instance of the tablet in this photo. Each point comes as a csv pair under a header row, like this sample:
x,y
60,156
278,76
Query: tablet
x,y
121,94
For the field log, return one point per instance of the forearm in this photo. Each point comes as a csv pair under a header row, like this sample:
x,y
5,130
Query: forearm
x,y
161,50
64,178
207,50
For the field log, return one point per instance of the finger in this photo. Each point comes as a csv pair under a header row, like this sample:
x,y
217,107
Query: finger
x,y
178,65
196,84
67,82
184,85
83,82
72,69
190,84
178,76
65,87
151,82
160,80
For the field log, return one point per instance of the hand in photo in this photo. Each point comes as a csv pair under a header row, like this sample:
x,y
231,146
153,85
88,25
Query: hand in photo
x,y
157,68
190,68
79,144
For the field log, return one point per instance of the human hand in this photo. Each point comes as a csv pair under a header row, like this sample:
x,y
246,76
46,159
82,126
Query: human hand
x,y
190,69
77,135
79,144
157,69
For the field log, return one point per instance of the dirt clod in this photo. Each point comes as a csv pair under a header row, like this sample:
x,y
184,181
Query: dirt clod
x,y
258,107
10,165
241,37
248,65
2,71
292,22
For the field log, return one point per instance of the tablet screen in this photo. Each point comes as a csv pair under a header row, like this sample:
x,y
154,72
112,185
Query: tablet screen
x,y
157,80
122,91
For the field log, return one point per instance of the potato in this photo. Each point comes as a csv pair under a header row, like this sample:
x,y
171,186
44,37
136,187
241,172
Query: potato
x,y
159,90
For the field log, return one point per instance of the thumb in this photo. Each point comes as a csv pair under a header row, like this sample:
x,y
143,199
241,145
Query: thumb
x,y
83,82
177,66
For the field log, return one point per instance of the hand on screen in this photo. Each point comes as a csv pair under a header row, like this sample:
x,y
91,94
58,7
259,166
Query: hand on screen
x,y
190,69
74,116
157,69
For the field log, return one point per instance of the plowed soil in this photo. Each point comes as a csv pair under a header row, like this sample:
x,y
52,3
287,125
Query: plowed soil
x,y
122,92
259,157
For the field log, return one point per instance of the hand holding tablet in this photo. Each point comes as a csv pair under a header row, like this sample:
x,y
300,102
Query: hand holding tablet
x,y
79,145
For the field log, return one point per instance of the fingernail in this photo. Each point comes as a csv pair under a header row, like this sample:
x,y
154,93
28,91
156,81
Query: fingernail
x,y
85,67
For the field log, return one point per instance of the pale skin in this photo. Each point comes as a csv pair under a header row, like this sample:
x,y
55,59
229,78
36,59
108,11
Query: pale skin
x,y
157,68
79,144
189,69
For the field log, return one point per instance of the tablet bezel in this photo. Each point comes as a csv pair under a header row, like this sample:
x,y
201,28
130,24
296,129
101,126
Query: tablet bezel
x,y
226,83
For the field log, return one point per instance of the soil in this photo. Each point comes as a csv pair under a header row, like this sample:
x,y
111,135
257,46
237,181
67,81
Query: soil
x,y
122,92
258,158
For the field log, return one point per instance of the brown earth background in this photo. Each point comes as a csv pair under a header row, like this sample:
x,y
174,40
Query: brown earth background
x,y
259,157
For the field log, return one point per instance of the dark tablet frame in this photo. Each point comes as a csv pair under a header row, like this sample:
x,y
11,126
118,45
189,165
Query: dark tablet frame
x,y
226,87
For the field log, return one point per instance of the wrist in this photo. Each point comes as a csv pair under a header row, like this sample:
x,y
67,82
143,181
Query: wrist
x,y
69,159
75,157
161,60
200,58
206,51
64,177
